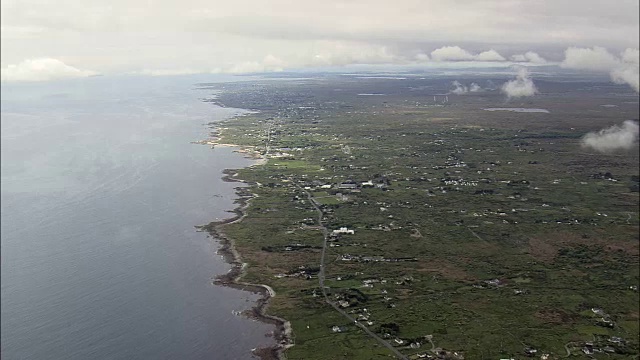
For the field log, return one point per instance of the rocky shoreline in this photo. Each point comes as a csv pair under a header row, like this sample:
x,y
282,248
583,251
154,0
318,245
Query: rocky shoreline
x,y
233,278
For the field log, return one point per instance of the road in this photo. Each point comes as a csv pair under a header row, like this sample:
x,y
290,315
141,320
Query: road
x,y
321,273
321,277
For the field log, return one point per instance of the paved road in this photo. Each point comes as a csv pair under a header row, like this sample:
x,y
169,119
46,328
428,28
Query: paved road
x,y
321,277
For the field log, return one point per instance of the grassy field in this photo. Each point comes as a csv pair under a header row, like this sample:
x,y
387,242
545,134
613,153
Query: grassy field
x,y
478,234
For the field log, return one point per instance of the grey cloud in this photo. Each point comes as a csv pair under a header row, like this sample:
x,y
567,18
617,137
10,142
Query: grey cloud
x,y
221,34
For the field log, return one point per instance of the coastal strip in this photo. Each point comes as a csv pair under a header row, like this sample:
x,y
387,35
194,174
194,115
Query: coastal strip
x,y
233,278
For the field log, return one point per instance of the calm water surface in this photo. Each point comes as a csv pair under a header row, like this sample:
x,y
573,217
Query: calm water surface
x,y
101,190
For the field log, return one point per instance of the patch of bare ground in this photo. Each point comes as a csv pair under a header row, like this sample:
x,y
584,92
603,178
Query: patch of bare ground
x,y
545,247
542,249
445,269
555,316
416,234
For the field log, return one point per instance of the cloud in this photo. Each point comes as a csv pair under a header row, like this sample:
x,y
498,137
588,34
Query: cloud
x,y
521,86
422,57
628,74
489,55
631,56
131,35
614,138
623,69
459,89
456,53
171,72
451,53
270,63
629,70
43,69
595,59
334,53
529,56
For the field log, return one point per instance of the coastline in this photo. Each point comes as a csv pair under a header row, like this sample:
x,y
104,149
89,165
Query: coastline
x,y
228,250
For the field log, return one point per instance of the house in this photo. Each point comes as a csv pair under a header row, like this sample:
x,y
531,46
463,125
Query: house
x,y
349,186
598,311
343,230
336,328
587,351
367,184
616,339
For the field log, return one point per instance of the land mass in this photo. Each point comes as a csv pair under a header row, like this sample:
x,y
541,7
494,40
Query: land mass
x,y
416,225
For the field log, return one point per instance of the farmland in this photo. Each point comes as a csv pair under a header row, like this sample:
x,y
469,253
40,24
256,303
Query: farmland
x,y
475,234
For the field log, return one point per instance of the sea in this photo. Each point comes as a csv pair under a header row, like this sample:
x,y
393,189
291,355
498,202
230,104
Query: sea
x,y
101,193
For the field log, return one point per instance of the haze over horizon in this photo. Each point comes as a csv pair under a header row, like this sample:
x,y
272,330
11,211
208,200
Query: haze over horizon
x,y
47,41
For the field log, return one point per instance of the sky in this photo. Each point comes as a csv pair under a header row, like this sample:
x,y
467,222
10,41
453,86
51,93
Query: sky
x,y
45,40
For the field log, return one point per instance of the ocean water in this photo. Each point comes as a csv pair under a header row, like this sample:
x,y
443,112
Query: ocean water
x,y
101,190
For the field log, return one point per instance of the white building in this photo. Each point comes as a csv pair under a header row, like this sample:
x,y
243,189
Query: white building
x,y
343,230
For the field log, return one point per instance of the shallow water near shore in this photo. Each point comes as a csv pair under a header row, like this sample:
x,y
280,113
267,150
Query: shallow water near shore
x,y
101,190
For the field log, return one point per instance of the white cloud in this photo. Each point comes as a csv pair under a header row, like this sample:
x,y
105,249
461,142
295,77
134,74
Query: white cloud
x,y
489,55
623,69
451,53
627,74
521,86
596,58
475,87
270,63
614,138
43,69
629,70
529,56
171,72
422,57
631,56
458,88
334,53
456,53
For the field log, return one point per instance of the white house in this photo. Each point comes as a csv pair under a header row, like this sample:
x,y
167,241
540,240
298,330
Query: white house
x,y
343,230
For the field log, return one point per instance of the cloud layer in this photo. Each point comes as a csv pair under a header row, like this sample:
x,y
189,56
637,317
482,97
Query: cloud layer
x,y
126,36
615,138
623,69
42,70
521,86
